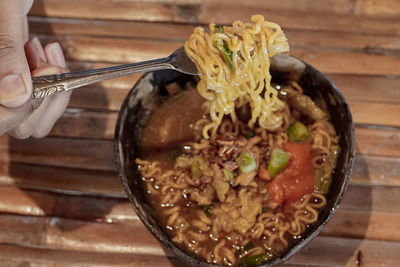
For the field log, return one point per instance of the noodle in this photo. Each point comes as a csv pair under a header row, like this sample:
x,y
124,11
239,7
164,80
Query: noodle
x,y
240,212
251,45
208,203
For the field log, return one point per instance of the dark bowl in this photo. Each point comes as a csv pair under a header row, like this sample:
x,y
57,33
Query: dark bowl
x,y
149,92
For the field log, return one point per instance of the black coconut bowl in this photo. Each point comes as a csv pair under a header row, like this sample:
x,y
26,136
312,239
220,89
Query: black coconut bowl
x,y
150,91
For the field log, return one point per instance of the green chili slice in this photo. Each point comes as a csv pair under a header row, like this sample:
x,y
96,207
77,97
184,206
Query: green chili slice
x,y
317,181
257,259
250,134
248,246
173,154
218,28
322,185
246,162
226,53
279,160
325,186
195,169
228,174
207,211
298,133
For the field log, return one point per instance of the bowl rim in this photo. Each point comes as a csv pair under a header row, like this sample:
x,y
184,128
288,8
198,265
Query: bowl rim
x,y
119,158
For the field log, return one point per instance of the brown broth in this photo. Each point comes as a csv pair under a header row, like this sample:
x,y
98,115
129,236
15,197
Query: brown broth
x,y
169,129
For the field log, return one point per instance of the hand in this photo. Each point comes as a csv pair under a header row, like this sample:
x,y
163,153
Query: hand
x,y
20,116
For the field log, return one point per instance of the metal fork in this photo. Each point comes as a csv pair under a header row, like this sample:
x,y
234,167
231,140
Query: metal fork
x,y
44,86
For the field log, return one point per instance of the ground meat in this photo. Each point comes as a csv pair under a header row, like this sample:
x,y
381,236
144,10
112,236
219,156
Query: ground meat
x,y
231,165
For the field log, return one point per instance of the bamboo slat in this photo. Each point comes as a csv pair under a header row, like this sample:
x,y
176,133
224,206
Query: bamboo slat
x,y
86,124
14,255
335,251
373,141
62,179
383,8
63,152
288,14
179,33
368,88
376,170
360,224
66,234
375,113
83,207
99,98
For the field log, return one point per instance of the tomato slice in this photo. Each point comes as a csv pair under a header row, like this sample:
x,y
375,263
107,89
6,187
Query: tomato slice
x,y
297,179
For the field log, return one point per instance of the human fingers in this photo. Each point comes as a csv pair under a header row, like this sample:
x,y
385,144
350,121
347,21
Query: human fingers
x,y
31,126
36,58
56,103
15,79
26,6
10,118
40,123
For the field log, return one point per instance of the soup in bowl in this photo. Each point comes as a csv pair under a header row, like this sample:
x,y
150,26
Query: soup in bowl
x,y
243,195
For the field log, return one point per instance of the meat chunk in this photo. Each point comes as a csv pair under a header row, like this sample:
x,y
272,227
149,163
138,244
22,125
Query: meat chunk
x,y
306,106
221,188
244,178
231,165
204,197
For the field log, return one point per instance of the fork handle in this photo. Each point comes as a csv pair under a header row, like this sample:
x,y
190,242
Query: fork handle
x,y
44,86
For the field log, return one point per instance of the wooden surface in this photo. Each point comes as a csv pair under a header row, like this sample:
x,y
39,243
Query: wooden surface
x,y
61,201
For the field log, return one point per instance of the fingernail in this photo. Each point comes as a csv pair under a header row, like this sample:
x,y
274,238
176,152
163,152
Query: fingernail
x,y
55,55
35,54
13,91
37,47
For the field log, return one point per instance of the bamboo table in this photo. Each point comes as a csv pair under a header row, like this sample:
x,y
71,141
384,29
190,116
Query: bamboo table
x,y
61,201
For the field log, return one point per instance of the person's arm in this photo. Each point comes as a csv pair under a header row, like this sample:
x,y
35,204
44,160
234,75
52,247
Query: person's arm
x,y
20,116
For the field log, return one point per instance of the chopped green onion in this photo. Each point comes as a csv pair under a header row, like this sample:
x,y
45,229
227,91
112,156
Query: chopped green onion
x,y
250,134
317,181
257,259
298,133
248,246
226,53
207,211
246,162
321,185
195,169
228,174
325,186
279,160
219,28
238,53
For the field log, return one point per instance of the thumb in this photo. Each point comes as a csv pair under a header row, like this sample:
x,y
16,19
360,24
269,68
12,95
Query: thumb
x,y
11,118
15,78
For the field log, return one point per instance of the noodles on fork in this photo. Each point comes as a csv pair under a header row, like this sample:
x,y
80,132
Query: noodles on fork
x,y
247,47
